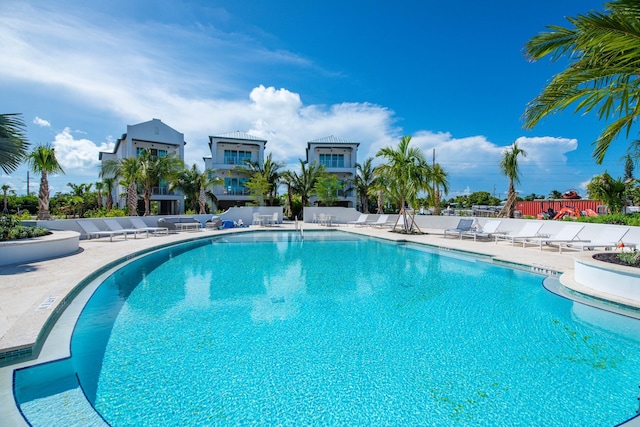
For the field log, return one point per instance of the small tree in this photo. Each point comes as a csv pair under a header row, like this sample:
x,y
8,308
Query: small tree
x,y
509,168
610,191
326,189
43,160
5,190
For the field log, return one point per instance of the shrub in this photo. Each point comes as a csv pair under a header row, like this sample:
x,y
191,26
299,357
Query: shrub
x,y
11,229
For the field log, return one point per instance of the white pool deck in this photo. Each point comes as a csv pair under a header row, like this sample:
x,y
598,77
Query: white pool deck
x,y
29,293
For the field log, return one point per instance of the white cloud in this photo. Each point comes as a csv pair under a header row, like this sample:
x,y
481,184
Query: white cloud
x,y
41,122
74,154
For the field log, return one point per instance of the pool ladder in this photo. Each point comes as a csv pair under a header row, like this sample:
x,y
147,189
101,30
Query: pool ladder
x,y
299,228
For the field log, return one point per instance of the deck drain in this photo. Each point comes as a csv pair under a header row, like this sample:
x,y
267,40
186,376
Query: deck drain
x,y
47,303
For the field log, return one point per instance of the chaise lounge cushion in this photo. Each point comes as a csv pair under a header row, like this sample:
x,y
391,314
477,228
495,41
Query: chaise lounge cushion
x,y
170,222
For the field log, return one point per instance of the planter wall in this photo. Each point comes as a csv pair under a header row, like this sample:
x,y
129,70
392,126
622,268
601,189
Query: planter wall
x,y
608,278
57,244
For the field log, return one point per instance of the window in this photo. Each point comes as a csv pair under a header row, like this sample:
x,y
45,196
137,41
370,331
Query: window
x,y
240,157
332,160
235,186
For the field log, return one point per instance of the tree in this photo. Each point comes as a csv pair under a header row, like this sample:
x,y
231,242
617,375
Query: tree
x,y
127,171
303,183
99,188
13,142
5,189
604,57
326,189
109,185
43,160
407,173
155,169
439,181
509,168
364,182
610,191
555,194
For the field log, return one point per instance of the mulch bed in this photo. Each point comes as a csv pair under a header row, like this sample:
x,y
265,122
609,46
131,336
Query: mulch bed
x,y
613,258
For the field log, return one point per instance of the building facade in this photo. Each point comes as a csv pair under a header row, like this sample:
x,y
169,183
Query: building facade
x,y
160,140
230,153
339,156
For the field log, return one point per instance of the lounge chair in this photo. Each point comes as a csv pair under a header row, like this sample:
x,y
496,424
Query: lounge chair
x,y
568,233
139,224
487,231
114,225
92,230
608,238
362,220
529,231
380,222
464,226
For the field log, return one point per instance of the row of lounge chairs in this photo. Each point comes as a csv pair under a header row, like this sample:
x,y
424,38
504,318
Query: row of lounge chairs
x,y
114,228
568,237
382,221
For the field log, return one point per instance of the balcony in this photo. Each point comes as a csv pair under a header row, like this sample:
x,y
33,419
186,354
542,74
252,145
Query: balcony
x,y
162,191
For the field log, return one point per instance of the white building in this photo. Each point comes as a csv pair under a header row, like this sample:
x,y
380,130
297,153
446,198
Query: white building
x,y
229,154
160,140
340,156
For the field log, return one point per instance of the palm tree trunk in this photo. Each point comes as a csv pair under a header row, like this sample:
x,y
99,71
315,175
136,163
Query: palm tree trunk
x,y
43,197
132,199
202,200
380,202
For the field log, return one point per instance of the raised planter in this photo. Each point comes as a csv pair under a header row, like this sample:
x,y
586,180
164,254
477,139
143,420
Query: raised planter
x,y
610,279
56,244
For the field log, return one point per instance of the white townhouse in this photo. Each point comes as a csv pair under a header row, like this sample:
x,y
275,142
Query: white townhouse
x,y
229,154
160,140
340,156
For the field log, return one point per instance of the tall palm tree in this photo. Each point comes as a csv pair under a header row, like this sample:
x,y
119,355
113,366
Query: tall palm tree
x,y
109,186
5,189
186,182
99,188
603,51
287,177
509,168
153,170
43,160
441,186
364,181
269,174
304,183
407,173
127,172
13,142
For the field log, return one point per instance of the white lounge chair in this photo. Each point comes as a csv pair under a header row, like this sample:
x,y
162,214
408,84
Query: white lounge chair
x,y
487,231
362,220
139,224
608,238
92,230
114,225
380,222
529,231
464,225
568,233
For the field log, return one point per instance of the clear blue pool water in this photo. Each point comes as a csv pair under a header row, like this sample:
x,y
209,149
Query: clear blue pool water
x,y
262,329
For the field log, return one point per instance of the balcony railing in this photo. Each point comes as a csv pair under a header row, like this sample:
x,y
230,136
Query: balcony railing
x,y
235,191
162,191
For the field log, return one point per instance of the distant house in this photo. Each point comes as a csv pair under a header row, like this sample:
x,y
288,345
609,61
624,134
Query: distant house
x,y
160,140
340,156
230,153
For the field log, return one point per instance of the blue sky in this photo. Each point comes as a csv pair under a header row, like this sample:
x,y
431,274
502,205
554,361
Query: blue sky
x,y
450,74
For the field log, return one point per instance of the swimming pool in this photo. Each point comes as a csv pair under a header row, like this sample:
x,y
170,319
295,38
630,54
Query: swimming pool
x,y
263,328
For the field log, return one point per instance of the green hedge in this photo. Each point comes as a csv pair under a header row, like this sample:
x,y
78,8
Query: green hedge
x,y
11,229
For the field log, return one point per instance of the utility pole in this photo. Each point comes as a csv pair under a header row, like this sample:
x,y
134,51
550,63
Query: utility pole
x,y
28,188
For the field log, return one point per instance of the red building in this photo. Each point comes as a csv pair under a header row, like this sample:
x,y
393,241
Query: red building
x,y
533,208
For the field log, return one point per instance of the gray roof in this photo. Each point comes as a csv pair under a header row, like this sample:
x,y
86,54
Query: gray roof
x,y
332,140
239,135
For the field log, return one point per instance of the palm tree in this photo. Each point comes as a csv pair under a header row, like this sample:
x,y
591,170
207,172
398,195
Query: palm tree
x,y
364,181
439,180
128,173
99,188
205,182
304,183
407,173
287,177
43,160
269,176
5,189
13,142
610,191
155,169
109,185
185,181
603,52
509,168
